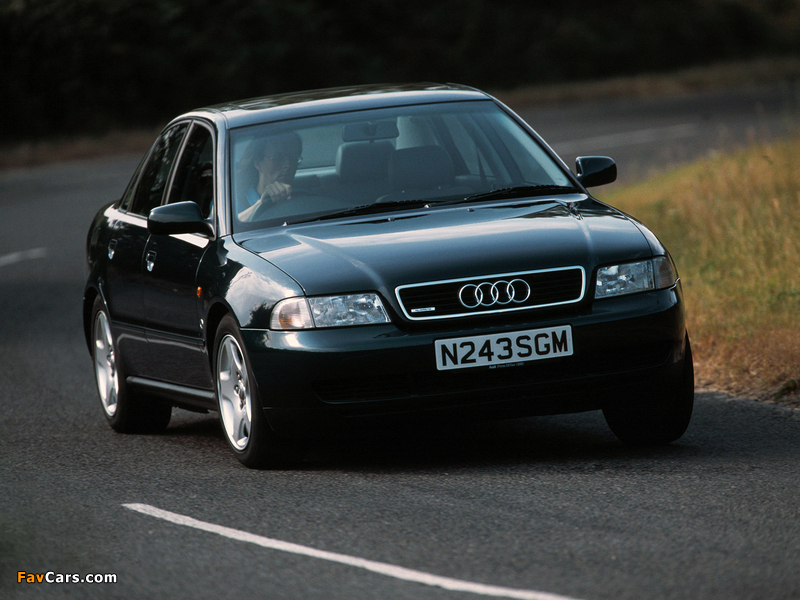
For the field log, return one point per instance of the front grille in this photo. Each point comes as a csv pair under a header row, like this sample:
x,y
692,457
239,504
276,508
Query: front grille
x,y
492,294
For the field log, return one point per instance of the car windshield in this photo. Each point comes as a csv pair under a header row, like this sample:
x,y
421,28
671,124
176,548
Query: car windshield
x,y
379,160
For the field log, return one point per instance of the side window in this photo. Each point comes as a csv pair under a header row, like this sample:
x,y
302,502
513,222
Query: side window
x,y
125,202
194,175
151,186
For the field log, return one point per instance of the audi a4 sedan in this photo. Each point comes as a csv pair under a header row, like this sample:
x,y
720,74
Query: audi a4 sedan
x,y
376,255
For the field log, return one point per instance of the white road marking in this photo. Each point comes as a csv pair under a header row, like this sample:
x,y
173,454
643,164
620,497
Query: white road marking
x,y
630,138
402,573
15,257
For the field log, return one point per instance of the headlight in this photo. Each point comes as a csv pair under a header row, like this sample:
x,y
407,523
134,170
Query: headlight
x,y
329,311
630,278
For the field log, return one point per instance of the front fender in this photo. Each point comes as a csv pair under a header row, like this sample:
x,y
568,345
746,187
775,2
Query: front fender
x,y
232,279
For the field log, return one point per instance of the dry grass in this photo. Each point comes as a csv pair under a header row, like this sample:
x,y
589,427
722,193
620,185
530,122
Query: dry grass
x,y
733,225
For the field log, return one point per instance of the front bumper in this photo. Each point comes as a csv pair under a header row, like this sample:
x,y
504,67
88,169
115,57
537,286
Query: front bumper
x,y
318,379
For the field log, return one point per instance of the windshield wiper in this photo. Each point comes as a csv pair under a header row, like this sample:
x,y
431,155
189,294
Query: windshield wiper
x,y
364,209
523,191
520,191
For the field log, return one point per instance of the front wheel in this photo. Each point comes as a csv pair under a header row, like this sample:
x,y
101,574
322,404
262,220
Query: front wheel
x,y
125,410
241,414
660,419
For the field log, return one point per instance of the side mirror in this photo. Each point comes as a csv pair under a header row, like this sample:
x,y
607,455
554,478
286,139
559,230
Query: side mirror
x,y
181,217
595,170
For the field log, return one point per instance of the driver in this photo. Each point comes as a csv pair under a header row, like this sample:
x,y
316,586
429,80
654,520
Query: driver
x,y
266,172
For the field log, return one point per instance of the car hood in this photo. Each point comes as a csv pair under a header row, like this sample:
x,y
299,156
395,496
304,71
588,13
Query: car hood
x,y
381,252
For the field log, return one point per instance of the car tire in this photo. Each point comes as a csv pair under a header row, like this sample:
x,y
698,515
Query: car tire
x,y
240,410
662,420
126,410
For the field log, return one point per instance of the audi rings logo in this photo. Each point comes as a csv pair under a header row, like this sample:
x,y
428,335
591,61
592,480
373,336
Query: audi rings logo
x,y
499,293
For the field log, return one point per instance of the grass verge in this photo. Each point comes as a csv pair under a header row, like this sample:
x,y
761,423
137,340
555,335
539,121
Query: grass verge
x,y
732,223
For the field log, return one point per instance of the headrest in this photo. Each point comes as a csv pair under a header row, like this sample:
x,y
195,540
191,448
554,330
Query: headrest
x,y
363,161
420,167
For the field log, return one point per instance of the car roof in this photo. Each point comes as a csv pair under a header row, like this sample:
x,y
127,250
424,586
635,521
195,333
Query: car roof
x,y
332,100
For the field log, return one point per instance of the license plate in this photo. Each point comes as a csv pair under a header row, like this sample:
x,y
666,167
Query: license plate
x,y
503,348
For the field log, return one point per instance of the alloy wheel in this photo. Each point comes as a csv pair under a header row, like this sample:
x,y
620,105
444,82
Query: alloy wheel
x,y
105,364
233,391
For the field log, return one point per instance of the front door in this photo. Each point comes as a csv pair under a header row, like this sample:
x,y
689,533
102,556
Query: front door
x,y
171,304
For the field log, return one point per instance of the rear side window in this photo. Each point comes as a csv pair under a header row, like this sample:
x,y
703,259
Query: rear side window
x,y
125,202
150,190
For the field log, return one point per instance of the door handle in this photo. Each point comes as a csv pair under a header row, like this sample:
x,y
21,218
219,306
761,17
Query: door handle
x,y
112,247
150,261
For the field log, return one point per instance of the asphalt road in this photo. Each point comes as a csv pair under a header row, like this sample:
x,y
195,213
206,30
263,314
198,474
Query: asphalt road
x,y
536,508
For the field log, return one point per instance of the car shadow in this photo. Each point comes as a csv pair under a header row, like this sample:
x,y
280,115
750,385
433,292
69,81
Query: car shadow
x,y
577,442
185,423
581,440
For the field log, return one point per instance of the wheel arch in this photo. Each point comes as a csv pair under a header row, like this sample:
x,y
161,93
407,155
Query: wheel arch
x,y
216,312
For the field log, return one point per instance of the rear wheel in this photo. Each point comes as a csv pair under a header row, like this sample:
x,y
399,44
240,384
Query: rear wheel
x,y
661,419
246,429
124,409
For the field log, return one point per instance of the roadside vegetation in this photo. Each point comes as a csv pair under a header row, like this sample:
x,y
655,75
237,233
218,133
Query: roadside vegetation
x,y
732,223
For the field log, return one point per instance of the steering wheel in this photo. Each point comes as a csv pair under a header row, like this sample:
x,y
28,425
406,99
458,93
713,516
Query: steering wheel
x,y
301,202
263,208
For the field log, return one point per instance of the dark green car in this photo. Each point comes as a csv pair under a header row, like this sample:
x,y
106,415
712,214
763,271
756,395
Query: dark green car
x,y
374,255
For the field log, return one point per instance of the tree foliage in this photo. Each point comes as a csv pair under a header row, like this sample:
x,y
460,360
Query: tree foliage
x,y
88,65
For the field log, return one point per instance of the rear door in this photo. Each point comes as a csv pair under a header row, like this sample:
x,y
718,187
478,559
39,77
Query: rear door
x,y
126,246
